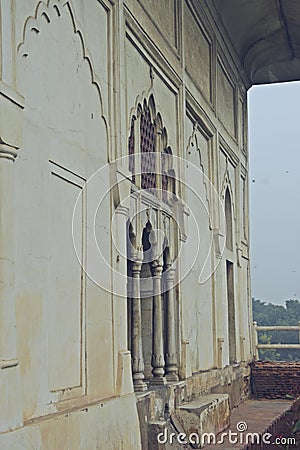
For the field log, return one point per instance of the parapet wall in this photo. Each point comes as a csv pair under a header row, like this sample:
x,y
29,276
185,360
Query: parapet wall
x,y
272,379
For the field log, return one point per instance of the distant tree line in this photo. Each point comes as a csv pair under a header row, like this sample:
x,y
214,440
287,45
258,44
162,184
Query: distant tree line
x,y
270,314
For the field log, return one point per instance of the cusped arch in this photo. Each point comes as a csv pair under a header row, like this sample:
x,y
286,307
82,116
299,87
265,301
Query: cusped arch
x,y
44,14
227,184
145,118
228,219
142,101
159,123
142,104
194,146
152,106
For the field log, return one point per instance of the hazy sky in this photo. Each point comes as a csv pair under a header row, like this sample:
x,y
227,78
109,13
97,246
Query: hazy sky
x,y
274,141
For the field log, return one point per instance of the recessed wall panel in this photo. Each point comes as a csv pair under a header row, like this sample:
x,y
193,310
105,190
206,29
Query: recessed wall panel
x,y
66,293
197,53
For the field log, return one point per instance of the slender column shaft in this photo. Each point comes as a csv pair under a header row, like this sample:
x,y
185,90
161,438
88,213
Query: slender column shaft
x,y
7,281
158,361
136,331
171,351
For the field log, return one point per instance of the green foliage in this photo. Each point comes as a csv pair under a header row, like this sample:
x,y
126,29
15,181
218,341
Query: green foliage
x,y
272,315
267,354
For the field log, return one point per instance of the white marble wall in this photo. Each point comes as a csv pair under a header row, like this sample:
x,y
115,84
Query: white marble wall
x,y
72,76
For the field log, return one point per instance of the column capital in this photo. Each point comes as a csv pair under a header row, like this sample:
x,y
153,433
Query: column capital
x,y
169,274
156,268
123,210
135,266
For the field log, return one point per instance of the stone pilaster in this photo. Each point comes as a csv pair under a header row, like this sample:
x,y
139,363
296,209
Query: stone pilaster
x,y
122,356
7,257
11,121
9,364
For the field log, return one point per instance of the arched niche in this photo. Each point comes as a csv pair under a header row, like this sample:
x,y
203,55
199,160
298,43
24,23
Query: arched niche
x,y
229,221
65,142
150,156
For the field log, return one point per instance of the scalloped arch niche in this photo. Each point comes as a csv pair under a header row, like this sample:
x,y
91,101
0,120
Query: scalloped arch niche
x,y
65,142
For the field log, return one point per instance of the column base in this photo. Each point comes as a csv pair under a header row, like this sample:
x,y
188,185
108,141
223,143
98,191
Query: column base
x,y
171,370
158,381
140,387
172,376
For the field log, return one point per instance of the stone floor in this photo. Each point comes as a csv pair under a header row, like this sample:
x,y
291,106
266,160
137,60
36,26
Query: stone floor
x,y
253,416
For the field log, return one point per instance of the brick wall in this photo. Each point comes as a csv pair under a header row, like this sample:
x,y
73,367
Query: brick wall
x,y
275,379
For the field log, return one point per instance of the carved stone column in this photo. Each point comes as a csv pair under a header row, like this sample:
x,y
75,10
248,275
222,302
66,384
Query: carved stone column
x,y
136,330
171,351
158,361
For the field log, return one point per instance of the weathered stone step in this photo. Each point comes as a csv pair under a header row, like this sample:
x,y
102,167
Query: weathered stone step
x,y
208,414
162,435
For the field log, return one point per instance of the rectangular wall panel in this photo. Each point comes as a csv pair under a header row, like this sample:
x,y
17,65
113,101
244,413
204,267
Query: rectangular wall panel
x,y
163,15
66,294
197,53
225,99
